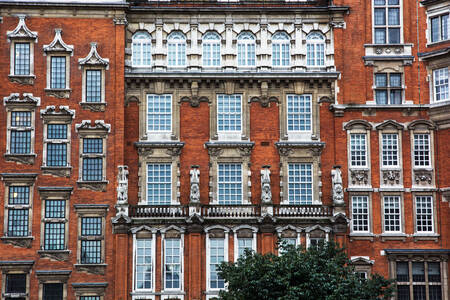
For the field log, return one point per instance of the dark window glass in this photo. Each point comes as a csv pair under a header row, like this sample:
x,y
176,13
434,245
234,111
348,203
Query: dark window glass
x,y
402,272
16,283
403,292
435,292
434,272
93,86
53,291
419,292
21,58
58,72
418,271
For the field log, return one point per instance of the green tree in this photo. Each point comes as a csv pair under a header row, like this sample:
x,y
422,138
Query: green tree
x,y
322,273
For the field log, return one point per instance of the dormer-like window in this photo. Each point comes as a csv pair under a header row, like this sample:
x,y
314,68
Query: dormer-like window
x,y
246,49
141,49
211,49
315,45
176,46
281,50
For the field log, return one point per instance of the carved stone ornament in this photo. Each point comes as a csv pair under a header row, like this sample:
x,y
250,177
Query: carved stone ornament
x,y
21,31
28,99
245,151
95,107
391,176
63,111
99,186
359,177
145,152
120,20
59,255
176,151
98,125
23,242
27,159
266,190
423,176
57,171
58,93
215,151
93,58
58,45
194,100
195,185
98,269
338,188
122,187
285,151
22,79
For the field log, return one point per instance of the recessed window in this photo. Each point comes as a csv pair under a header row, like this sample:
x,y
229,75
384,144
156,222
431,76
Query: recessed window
x,y
176,48
229,183
159,113
55,224
141,49
143,264
392,214
439,28
281,56
315,49
211,49
172,263
229,113
216,253
246,49
58,72
387,24
159,184
18,210
424,214
358,150
22,58
57,142
21,129
93,85
299,113
300,180
360,214
389,153
421,150
388,88
93,159
53,291
91,244
440,80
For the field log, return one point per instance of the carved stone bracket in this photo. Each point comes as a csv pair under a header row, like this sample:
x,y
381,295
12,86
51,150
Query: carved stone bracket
x,y
423,176
22,79
217,148
215,151
57,171
359,177
264,101
99,186
146,149
391,177
287,148
95,107
98,269
58,93
121,20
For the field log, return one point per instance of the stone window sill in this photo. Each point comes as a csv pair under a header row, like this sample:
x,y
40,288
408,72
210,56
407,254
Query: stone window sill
x,y
94,106
366,236
22,79
426,237
60,255
58,93
393,237
93,185
98,269
57,171
27,159
19,241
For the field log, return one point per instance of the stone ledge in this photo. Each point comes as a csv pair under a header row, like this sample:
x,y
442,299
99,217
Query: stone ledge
x,y
27,159
19,241
57,171
59,255
99,186
98,269
94,106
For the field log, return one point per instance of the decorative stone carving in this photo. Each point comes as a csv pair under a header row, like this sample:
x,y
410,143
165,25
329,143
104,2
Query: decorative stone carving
x,y
98,269
423,176
58,45
122,187
195,184
337,24
99,186
194,101
57,171
359,177
285,151
63,111
266,190
98,125
14,99
391,176
215,151
22,31
61,94
145,152
122,20
22,79
245,151
176,151
338,189
27,159
93,58
23,242
59,255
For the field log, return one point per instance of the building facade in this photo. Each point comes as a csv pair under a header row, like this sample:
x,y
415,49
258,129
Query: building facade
x,y
145,142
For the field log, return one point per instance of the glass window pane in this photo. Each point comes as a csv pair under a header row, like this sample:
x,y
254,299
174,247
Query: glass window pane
x,y
159,184
58,72
380,16
22,59
395,80
402,272
394,16
229,184
300,183
380,36
53,291
381,80
93,85
16,283
434,272
418,271
435,36
394,35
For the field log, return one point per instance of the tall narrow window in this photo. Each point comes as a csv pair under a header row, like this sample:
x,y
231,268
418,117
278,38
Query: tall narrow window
x,y
388,88
246,49
172,263
55,226
176,45
159,113
392,214
21,58
439,28
360,214
143,264
216,256
387,24
315,49
58,72
57,145
229,184
281,55
440,80
211,49
93,159
300,183
18,210
141,49
159,184
389,156
424,214
299,112
244,244
91,240
421,150
93,85
358,150
21,129
229,113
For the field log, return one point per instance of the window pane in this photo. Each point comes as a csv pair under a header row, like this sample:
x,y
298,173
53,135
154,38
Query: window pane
x,y
91,252
381,97
159,113
22,59
20,142
434,272
18,222
424,214
243,244
58,72
229,183
358,150
56,155
435,29
380,16
53,291
435,292
159,184
396,97
299,112
381,80
93,85
389,150
16,283
392,214
444,27
57,131
402,272
19,195
403,292
419,292
94,145
379,2
92,169
360,213
91,226
300,183
394,16
54,234
55,209
395,80
172,261
216,256
143,264
418,271
441,84
380,36
421,150
229,113
90,298
394,35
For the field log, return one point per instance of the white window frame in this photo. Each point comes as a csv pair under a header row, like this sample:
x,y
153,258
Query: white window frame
x,y
159,134
171,183
368,214
211,39
311,165
314,40
163,258
387,26
431,198
230,134
144,42
429,162
400,214
300,134
351,161
245,41
437,73
438,14
153,245
394,148
208,258
279,39
177,39
236,239
242,182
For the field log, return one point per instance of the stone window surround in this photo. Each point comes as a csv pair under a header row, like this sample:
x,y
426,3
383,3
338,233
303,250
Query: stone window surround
x,y
233,152
19,179
289,231
362,264
434,11
55,193
389,175
93,61
14,103
215,232
359,176
21,34
419,236
16,267
97,130
159,152
90,289
58,48
52,276
386,236
361,235
91,210
312,230
49,115
422,177
433,64
175,232
244,231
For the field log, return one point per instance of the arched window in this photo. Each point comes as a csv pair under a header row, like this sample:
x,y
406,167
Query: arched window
x,y
176,45
211,49
280,49
315,49
246,49
141,49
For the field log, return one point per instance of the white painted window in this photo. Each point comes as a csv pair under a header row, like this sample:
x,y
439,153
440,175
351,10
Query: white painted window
x,y
176,45
392,214
300,183
229,183
387,21
244,243
388,88
299,111
360,214
424,214
246,49
440,81
159,113
211,49
421,150
389,153
172,263
143,264
216,253
439,28
141,49
159,184
281,56
315,49
229,113
358,150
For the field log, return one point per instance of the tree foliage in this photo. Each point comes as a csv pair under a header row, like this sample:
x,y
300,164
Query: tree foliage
x,y
322,273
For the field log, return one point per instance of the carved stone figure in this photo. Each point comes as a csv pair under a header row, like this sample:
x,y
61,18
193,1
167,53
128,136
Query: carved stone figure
x,y
338,189
266,191
195,185
122,187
